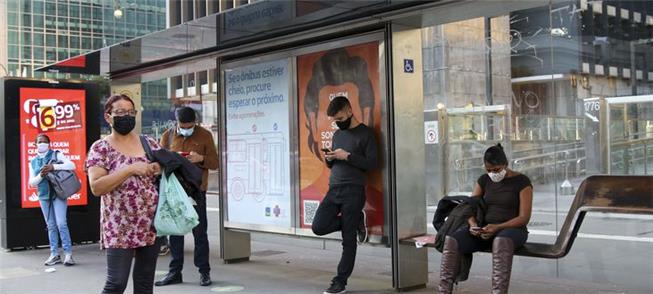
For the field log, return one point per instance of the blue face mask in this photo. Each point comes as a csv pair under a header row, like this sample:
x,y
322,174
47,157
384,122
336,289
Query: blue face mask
x,y
186,132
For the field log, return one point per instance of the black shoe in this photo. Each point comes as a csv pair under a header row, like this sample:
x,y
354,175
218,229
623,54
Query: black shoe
x,y
336,288
164,250
205,279
361,231
170,279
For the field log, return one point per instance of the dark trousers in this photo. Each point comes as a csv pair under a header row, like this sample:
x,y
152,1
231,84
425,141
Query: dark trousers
x,y
341,210
201,257
467,243
119,262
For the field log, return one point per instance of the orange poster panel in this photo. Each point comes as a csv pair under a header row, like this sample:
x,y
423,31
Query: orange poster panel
x,y
60,114
352,72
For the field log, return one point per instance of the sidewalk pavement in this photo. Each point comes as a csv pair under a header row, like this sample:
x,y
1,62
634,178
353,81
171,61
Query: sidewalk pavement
x,y
278,265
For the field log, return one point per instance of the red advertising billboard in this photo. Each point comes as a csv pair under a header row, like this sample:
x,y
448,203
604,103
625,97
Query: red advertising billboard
x,y
352,72
60,114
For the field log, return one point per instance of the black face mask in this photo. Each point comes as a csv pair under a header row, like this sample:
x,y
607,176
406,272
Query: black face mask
x,y
343,125
124,124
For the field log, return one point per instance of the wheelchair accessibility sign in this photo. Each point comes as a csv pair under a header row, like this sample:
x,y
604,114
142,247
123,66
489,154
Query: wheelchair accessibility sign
x,y
409,66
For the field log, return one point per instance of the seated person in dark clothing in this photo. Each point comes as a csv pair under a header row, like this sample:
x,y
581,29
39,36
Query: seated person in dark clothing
x,y
509,198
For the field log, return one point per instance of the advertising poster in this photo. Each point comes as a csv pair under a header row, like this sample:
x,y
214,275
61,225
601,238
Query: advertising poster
x,y
258,148
61,115
352,72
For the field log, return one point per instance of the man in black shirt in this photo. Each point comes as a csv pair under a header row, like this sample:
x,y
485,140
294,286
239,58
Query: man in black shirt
x,y
353,153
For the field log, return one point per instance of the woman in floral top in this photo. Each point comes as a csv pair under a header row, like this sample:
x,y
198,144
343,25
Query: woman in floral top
x,y
120,173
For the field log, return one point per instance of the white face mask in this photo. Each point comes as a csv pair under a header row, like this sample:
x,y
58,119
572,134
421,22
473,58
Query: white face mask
x,y
497,177
186,132
42,147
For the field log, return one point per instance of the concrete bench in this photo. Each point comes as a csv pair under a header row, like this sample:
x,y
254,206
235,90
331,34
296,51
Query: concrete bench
x,y
601,193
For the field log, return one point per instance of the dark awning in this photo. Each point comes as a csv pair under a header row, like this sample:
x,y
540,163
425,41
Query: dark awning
x,y
254,22
88,63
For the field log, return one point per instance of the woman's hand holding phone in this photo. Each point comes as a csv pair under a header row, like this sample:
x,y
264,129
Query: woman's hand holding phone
x,y
475,231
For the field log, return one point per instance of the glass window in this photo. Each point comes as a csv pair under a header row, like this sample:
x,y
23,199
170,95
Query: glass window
x,y
26,7
38,7
86,12
12,19
97,13
74,42
50,8
38,39
62,54
38,21
540,81
97,43
26,39
62,24
13,67
50,21
27,20
12,6
50,40
63,41
62,10
73,25
26,53
27,70
13,37
87,43
13,52
51,55
38,53
74,10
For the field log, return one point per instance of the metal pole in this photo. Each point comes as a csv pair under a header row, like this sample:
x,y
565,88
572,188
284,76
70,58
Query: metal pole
x,y
633,69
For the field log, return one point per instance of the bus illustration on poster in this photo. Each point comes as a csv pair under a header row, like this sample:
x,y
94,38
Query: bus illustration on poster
x,y
258,150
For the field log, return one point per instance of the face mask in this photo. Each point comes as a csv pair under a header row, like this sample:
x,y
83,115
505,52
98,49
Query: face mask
x,y
497,177
343,125
186,132
124,124
42,147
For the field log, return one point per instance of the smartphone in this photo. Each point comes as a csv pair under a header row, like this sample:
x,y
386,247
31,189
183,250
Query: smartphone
x,y
476,229
326,150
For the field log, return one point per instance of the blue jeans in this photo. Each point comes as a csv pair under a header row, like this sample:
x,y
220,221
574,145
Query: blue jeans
x,y
54,212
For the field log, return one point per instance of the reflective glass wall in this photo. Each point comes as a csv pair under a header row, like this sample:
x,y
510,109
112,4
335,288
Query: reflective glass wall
x,y
566,87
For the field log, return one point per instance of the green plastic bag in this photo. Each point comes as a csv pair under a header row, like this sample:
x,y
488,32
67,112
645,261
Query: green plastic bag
x,y
175,214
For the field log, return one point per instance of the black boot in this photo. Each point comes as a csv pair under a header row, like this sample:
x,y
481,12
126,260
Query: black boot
x,y
170,279
205,279
449,266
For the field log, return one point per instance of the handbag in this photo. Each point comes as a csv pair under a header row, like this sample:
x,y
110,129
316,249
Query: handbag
x,y
63,183
175,214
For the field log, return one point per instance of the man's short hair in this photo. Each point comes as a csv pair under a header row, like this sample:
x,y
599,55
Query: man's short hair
x,y
186,115
338,104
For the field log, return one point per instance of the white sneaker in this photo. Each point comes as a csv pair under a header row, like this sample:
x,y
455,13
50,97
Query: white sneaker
x,y
53,259
68,260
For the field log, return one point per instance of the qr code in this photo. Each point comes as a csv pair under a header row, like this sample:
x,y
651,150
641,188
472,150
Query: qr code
x,y
310,208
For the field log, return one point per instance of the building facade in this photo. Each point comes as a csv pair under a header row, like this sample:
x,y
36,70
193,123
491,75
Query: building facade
x,y
34,33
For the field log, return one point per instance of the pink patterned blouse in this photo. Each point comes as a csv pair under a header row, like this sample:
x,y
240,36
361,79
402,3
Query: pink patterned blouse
x,y
127,212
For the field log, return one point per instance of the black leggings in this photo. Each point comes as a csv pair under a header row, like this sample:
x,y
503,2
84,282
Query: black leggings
x,y
467,243
119,262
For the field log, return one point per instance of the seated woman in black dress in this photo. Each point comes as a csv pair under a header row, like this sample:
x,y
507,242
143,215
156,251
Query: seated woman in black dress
x,y
509,198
